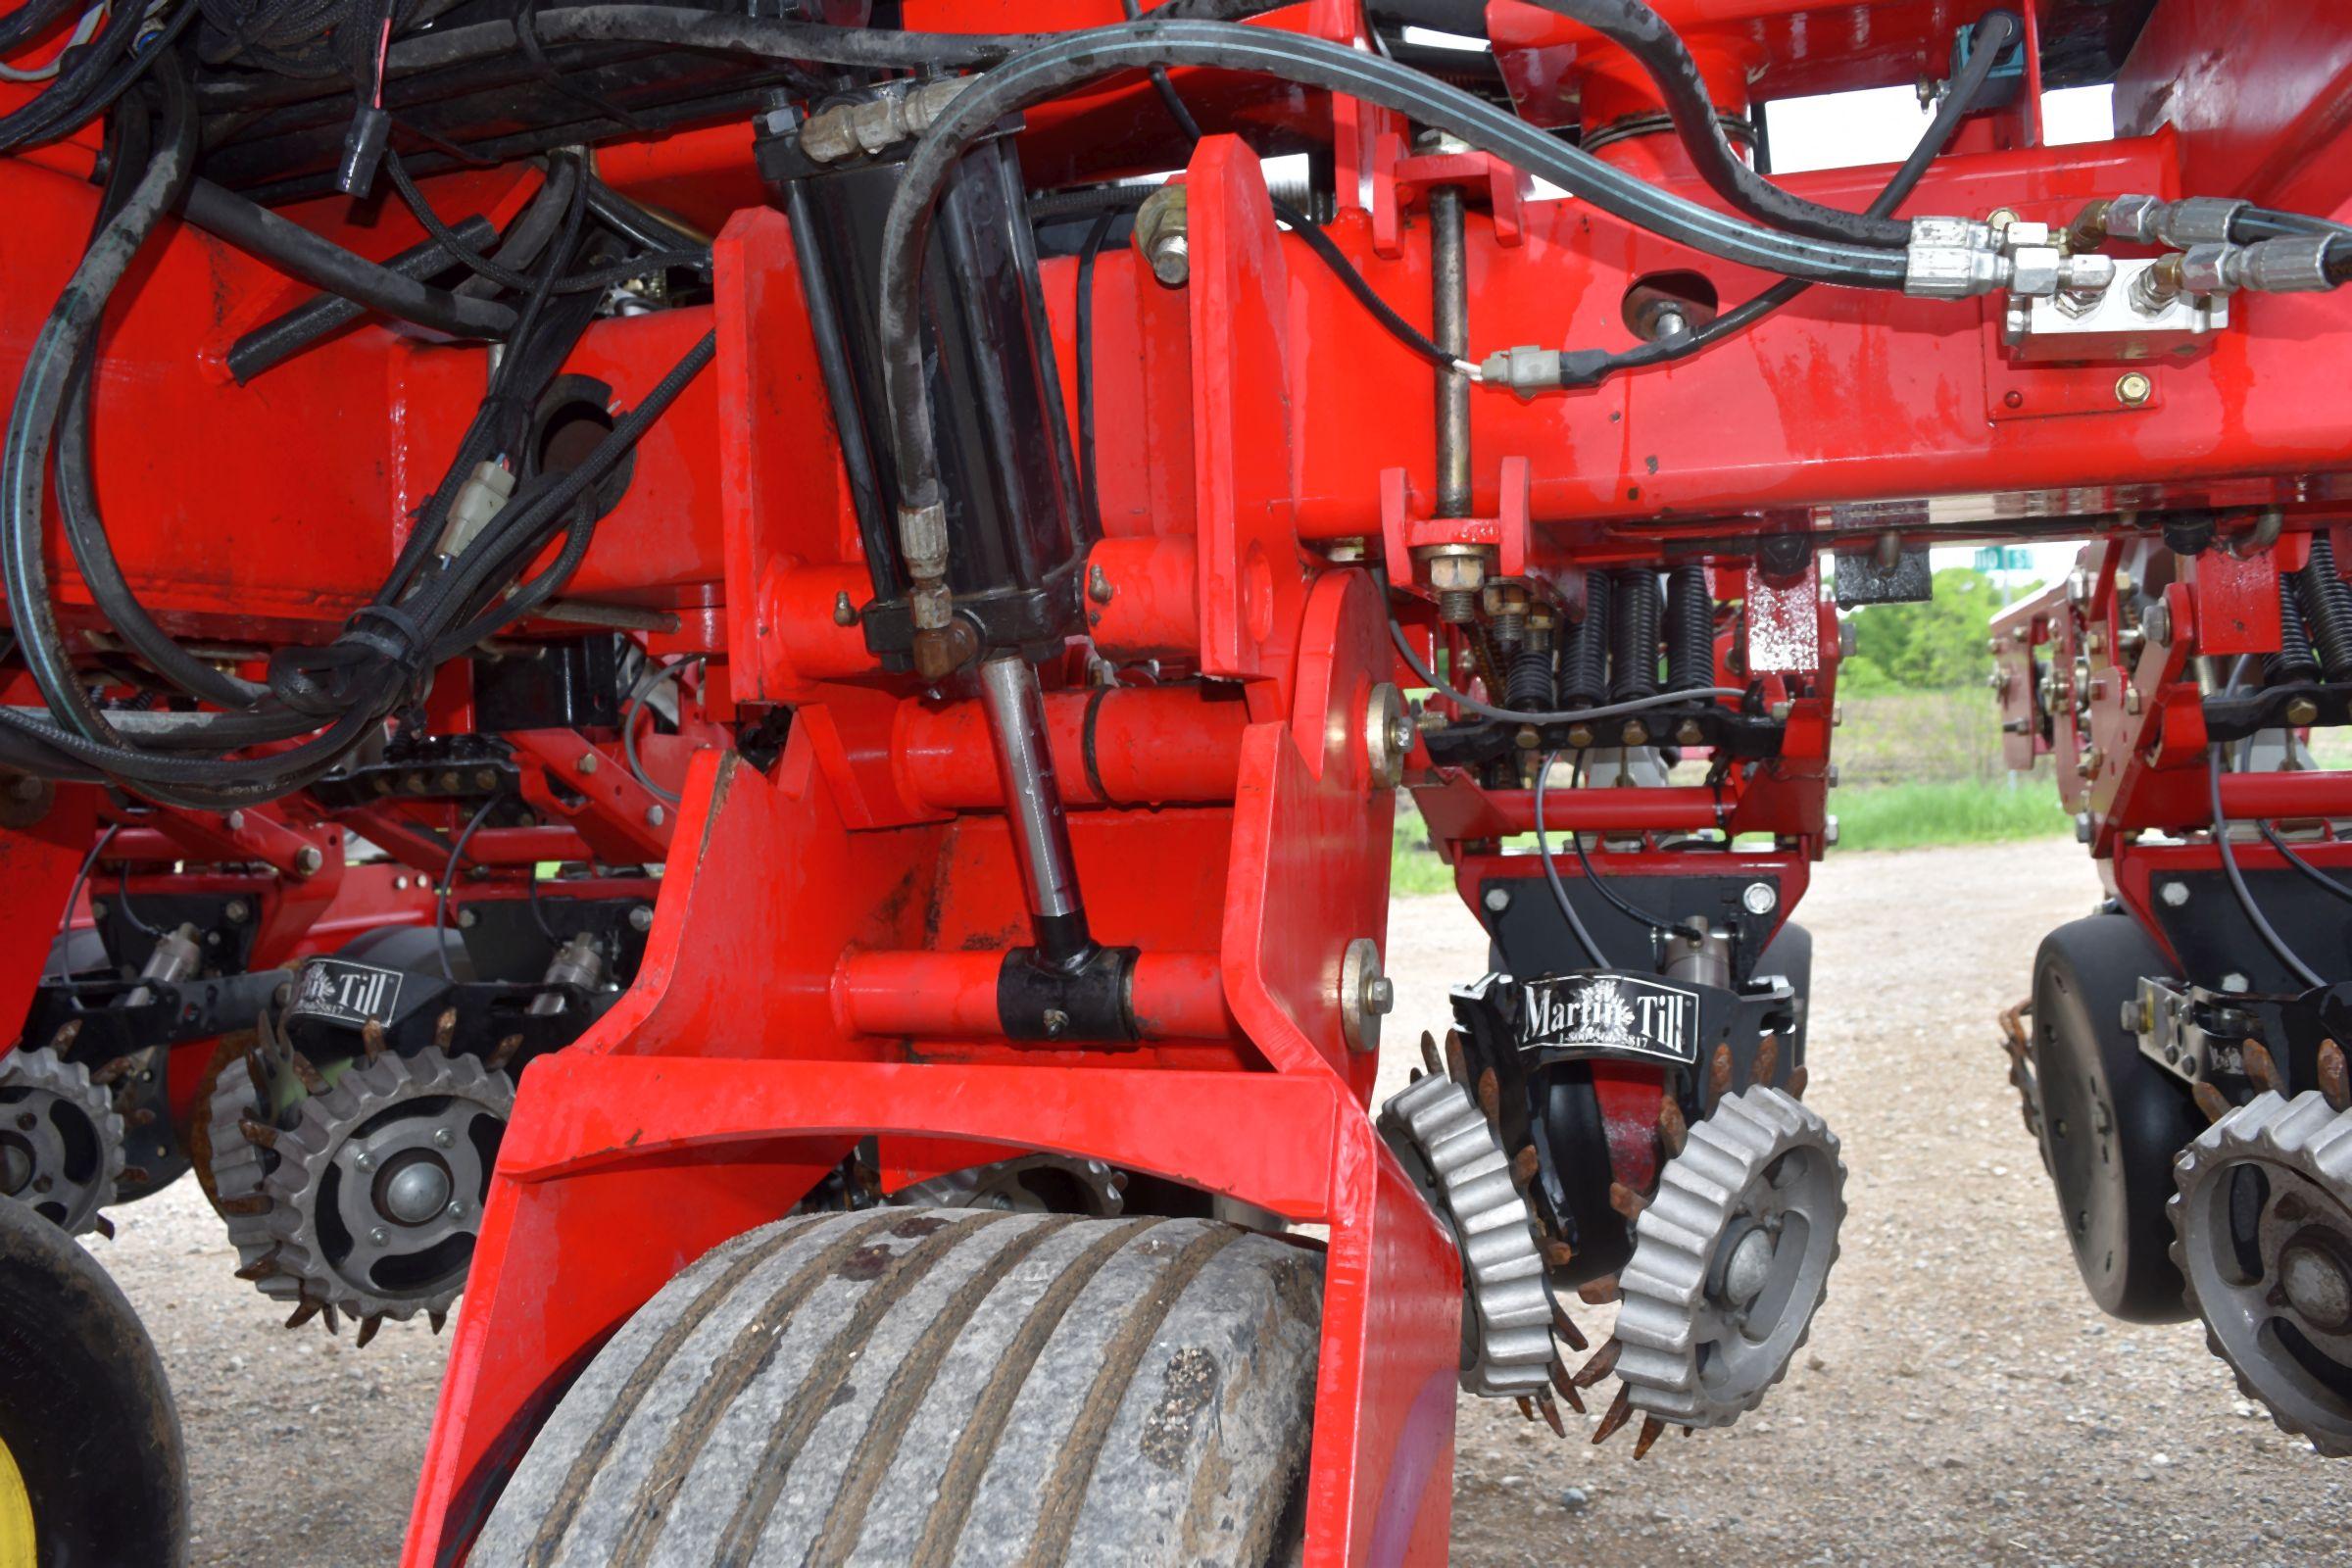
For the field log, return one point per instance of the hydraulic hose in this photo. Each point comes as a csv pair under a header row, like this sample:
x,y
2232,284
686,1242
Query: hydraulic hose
x,y
1659,50
1992,35
282,338
2237,883
1078,59
300,253
1570,715
49,375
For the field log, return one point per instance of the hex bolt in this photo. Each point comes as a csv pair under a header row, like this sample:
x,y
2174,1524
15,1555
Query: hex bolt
x,y
456,1208
234,821
362,1160
308,858
2133,389
586,763
2236,984
466,919
1497,900
654,817
236,912
641,918
377,1236
443,1138
2302,711
2175,894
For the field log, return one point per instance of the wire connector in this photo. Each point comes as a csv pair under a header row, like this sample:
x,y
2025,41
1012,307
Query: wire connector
x,y
1526,370
480,499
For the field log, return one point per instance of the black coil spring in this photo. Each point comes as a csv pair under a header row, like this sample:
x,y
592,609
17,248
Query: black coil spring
x,y
1690,630
1528,688
1585,663
1637,610
2327,606
2294,662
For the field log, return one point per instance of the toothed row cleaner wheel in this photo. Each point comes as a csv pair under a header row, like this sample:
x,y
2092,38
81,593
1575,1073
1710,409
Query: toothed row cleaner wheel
x,y
2263,1227
1730,1260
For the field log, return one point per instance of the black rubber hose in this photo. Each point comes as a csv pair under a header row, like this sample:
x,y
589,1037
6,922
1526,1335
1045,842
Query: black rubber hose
x,y
322,263
504,276
1992,35
1531,683
526,238
2327,606
80,90
1689,629
1585,660
2237,883
282,337
1079,59
1659,50
1635,615
30,21
49,373
2293,662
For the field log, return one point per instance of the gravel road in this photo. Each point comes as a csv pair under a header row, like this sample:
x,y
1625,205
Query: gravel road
x,y
1961,1400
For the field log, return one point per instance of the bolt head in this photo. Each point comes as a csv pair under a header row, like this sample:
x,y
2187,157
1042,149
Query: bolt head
x,y
362,1160
2175,894
586,763
2133,388
308,858
456,1210
443,1138
377,1236
1380,995
2302,711
641,918
654,817
1497,899
1759,897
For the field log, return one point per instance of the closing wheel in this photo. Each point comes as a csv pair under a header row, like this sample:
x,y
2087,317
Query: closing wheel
x,y
91,1468
937,1386
2111,1120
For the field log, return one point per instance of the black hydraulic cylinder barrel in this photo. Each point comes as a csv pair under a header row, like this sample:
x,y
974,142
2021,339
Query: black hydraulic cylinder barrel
x,y
1690,630
1635,611
2328,607
1018,536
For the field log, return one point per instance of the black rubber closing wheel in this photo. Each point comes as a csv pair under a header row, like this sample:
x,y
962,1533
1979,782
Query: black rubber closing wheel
x,y
91,1458
936,1387
2111,1119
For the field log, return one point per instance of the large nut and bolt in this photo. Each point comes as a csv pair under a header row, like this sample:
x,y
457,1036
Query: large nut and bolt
x,y
1388,735
1455,573
1366,995
308,858
1159,236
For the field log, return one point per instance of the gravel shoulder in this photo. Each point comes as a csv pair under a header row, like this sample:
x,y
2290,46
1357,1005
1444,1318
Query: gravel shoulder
x,y
1961,1400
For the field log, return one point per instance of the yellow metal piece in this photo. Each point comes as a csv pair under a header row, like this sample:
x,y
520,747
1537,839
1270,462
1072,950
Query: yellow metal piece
x,y
17,1545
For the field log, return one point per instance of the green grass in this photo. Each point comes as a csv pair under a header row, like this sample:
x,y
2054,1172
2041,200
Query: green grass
x,y
1906,816
1413,866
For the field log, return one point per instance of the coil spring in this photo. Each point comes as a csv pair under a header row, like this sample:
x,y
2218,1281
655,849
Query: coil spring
x,y
1529,687
1636,610
2327,606
1690,630
2294,661
1584,664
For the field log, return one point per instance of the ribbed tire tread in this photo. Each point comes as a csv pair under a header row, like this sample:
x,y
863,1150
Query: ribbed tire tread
x,y
939,1387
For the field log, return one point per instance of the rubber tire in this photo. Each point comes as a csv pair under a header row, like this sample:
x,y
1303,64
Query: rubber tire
x,y
939,1385
2123,1117
1790,954
84,1407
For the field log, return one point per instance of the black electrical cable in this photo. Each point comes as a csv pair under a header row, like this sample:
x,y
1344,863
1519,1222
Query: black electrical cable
x,y
1570,715
646,684
506,276
1083,340
2312,873
2237,883
1992,35
1659,50
457,853
1551,872
30,21
1079,59
64,922
1125,197
1615,900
